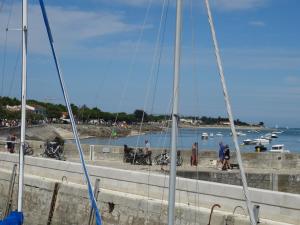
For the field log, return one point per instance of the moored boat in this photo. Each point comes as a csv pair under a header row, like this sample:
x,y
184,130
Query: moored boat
x,y
279,149
204,136
249,142
262,141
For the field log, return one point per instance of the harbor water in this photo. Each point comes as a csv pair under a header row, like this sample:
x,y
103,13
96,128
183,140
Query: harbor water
x,y
289,137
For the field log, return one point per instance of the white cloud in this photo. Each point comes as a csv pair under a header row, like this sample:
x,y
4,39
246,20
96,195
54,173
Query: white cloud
x,y
70,27
135,3
223,5
230,5
257,23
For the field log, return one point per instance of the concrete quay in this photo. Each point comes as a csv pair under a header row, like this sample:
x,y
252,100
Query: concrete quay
x,y
271,171
132,197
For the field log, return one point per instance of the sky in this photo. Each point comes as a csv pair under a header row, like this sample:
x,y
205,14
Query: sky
x,y
118,55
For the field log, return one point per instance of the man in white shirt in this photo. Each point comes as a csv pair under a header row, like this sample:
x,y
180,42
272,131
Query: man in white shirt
x,y
148,151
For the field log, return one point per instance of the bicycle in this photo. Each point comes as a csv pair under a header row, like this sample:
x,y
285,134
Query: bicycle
x,y
164,159
28,150
53,150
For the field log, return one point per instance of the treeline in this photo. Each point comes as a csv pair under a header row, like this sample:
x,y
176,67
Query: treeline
x,y
84,114
219,120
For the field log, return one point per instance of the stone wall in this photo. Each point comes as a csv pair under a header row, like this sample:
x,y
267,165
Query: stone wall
x,y
269,181
138,193
72,207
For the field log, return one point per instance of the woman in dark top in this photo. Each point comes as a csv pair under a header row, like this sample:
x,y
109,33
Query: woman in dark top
x,y
226,164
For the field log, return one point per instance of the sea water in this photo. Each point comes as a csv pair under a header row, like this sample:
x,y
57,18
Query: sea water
x,y
186,137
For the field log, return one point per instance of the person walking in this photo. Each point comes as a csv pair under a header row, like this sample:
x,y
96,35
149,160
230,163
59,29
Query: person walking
x,y
194,156
9,144
148,151
221,156
226,163
13,142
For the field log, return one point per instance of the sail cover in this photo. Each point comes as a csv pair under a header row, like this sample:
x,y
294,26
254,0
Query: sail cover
x,y
14,218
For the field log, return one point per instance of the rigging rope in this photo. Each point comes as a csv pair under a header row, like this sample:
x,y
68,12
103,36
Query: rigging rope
x,y
157,51
155,55
2,5
74,128
160,53
136,50
230,115
5,44
197,105
14,73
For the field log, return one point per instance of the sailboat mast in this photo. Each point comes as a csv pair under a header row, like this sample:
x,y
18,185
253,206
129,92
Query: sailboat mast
x,y
172,177
23,98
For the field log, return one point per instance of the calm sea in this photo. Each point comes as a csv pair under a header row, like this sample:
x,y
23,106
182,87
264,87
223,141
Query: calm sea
x,y
289,137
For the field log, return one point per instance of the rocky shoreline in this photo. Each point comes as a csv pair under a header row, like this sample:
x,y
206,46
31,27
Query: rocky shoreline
x,y
49,131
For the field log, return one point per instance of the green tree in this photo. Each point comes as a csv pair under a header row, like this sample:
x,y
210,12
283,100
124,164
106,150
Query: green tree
x,y
139,114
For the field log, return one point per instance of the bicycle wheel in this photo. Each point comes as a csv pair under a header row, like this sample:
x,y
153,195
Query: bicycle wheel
x,y
157,159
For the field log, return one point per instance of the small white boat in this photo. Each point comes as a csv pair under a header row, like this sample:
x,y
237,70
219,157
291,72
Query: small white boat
x,y
211,135
241,134
279,149
273,135
261,141
277,132
249,142
219,134
267,136
204,136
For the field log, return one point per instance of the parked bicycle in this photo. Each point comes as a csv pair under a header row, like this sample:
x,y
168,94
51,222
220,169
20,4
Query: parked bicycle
x,y
128,155
54,149
164,158
28,150
137,157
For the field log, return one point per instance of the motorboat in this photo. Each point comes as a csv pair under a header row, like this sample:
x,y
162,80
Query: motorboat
x,y
249,142
267,136
219,134
262,141
279,148
211,135
273,135
239,134
277,132
204,136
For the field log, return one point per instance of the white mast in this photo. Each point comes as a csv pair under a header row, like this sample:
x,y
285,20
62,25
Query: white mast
x,y
172,176
230,115
23,98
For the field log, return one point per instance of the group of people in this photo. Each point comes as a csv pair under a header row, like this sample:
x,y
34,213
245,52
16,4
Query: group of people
x,y
224,157
9,123
223,162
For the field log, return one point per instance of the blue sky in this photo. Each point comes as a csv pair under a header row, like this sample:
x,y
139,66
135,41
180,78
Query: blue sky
x,y
108,63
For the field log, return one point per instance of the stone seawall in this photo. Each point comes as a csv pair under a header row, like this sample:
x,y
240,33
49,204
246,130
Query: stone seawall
x,y
136,197
263,180
72,207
